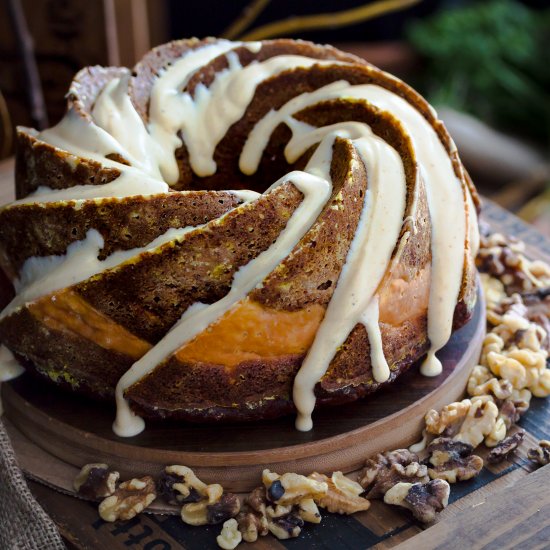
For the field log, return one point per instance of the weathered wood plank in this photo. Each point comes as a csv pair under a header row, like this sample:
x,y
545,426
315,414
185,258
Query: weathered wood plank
x,y
514,517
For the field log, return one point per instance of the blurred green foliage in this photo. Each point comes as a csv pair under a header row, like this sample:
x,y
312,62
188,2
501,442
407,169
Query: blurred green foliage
x,y
491,59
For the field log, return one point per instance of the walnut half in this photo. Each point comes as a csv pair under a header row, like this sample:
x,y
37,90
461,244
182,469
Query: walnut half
x,y
291,488
130,499
387,469
424,500
452,460
179,485
343,495
96,481
505,448
217,507
284,522
540,454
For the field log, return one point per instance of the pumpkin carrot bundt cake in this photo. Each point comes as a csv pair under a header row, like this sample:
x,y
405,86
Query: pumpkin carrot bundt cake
x,y
237,231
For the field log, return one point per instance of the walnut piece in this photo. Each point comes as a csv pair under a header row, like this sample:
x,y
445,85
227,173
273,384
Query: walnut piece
x,y
130,498
308,511
479,422
96,481
343,496
291,488
284,522
179,485
514,351
252,519
503,258
540,454
386,469
448,421
481,382
257,500
424,500
508,413
281,506
452,460
227,507
230,536
506,447
252,526
217,507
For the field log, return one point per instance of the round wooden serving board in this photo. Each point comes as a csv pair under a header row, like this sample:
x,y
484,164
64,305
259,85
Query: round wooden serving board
x,y
78,431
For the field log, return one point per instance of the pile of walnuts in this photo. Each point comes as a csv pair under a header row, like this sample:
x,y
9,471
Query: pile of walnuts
x,y
512,368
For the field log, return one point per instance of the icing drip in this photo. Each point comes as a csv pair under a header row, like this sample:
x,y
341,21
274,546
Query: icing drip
x,y
380,367
115,113
369,255
200,121
83,138
9,369
419,446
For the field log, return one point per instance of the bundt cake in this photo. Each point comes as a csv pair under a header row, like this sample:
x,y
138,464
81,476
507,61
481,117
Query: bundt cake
x,y
237,231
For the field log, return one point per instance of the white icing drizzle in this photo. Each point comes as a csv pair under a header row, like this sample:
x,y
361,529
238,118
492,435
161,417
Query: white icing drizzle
x,y
43,275
380,367
165,103
419,446
202,120
115,113
83,138
9,369
368,258
442,186
205,117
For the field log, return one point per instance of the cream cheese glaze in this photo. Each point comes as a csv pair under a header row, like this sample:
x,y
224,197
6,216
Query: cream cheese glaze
x,y
9,369
201,120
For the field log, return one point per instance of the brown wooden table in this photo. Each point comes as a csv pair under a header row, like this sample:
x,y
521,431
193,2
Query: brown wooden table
x,y
506,506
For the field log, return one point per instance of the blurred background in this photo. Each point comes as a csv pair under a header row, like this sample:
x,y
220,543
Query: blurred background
x,y
484,65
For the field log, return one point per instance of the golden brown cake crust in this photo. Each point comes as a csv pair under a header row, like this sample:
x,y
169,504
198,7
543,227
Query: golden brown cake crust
x,y
132,222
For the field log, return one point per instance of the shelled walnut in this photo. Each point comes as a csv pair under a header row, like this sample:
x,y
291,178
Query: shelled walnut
x,y
202,504
424,500
479,422
284,522
130,498
505,448
387,469
252,526
541,453
216,507
447,422
230,536
96,481
343,495
503,258
452,460
307,509
291,488
179,485
252,518
482,382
